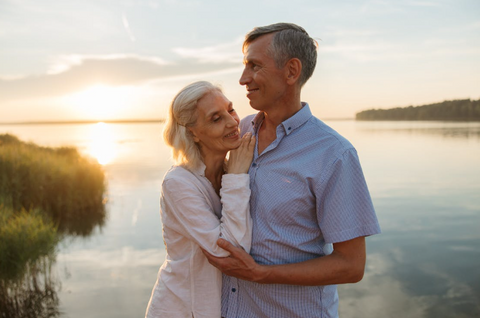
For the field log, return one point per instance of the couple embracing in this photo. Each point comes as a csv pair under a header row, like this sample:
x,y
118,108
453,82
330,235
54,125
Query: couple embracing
x,y
269,232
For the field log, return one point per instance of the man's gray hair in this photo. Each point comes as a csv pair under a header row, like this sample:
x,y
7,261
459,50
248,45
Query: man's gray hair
x,y
182,114
289,41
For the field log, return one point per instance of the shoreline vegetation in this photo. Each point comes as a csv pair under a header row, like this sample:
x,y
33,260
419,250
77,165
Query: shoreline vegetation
x,y
453,110
46,194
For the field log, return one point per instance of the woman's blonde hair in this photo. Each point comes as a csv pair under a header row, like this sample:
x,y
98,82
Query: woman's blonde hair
x,y
182,114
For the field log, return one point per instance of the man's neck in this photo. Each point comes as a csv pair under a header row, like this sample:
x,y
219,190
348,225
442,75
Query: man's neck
x,y
267,132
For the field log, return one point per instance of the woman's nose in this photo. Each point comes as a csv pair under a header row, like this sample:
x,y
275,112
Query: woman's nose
x,y
232,121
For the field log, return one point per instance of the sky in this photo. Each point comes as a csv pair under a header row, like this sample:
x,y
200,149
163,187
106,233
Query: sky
x,y
126,59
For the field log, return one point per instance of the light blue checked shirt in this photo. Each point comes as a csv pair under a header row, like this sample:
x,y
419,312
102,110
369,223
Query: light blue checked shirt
x,y
307,192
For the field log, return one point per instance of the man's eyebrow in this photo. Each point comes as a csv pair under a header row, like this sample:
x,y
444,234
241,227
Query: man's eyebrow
x,y
249,61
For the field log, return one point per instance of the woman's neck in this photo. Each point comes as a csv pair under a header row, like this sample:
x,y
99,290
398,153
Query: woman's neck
x,y
214,170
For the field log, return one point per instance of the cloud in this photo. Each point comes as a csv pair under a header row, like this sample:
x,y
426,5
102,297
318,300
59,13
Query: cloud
x,y
127,28
389,288
423,3
395,6
355,33
75,72
66,62
226,52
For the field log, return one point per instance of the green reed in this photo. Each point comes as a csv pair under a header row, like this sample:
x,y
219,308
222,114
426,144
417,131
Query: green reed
x,y
68,187
45,193
24,238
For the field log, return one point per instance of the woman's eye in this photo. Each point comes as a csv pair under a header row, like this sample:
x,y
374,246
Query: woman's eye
x,y
215,119
232,110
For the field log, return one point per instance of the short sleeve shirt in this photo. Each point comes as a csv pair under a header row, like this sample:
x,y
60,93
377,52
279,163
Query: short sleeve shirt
x,y
308,191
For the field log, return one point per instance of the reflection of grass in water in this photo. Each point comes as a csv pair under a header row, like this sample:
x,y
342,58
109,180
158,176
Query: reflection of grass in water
x,y
33,296
44,192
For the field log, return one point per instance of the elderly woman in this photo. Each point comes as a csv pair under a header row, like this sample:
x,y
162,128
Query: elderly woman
x,y
203,198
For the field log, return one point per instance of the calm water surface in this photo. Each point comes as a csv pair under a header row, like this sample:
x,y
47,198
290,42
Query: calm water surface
x,y
423,177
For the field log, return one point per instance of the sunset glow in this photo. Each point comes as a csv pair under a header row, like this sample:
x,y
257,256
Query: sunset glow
x,y
102,146
127,62
101,102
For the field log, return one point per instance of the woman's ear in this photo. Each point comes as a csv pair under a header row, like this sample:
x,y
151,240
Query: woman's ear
x,y
195,138
294,70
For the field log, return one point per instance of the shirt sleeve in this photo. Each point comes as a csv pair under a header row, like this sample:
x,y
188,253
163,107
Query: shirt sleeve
x,y
186,209
236,220
345,210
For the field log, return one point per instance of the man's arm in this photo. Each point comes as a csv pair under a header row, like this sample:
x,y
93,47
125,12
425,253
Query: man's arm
x,y
345,265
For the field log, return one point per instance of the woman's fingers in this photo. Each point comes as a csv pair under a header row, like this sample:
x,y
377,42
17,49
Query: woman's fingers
x,y
251,144
240,159
245,142
246,138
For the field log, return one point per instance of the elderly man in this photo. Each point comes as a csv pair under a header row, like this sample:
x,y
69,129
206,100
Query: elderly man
x,y
310,205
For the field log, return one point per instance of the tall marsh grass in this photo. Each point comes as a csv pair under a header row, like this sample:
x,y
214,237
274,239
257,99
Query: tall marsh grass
x,y
24,238
65,185
44,193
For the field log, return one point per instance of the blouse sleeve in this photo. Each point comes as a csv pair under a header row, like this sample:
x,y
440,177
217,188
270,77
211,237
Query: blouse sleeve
x,y
186,208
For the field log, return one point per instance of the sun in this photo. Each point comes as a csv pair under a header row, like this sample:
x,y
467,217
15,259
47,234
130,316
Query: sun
x,y
101,102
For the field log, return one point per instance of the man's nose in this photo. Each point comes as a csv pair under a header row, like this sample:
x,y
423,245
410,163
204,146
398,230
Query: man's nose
x,y
245,78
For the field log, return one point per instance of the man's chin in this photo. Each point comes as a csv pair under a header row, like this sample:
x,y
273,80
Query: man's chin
x,y
255,106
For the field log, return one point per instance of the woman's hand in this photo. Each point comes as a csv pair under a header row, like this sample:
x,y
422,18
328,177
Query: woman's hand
x,y
241,158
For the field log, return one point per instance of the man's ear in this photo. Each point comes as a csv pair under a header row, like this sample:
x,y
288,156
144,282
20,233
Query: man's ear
x,y
293,70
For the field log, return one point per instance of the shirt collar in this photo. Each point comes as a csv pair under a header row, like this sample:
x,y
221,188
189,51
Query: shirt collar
x,y
200,169
290,124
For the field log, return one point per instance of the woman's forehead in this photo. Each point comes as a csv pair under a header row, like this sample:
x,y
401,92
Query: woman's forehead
x,y
212,103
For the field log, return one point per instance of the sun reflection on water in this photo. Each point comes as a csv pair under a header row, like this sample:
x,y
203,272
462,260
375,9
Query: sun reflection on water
x,y
102,146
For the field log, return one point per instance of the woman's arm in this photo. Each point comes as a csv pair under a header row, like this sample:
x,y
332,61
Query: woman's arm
x,y
187,210
236,220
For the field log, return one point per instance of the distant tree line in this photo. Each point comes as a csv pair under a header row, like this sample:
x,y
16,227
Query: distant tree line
x,y
464,109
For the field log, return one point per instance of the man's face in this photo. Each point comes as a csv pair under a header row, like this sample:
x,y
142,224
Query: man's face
x,y
265,83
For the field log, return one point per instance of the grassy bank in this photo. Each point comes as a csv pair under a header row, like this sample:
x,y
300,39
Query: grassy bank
x,y
24,238
44,192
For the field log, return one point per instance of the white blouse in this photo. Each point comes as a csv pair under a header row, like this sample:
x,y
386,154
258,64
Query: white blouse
x,y
195,217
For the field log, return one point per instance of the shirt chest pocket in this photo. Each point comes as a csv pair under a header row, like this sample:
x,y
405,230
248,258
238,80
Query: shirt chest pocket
x,y
288,191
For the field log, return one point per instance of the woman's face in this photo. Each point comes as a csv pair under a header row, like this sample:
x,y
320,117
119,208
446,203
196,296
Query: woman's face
x,y
216,130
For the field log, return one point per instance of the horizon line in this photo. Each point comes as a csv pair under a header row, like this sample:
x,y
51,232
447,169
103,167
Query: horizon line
x,y
86,121
116,121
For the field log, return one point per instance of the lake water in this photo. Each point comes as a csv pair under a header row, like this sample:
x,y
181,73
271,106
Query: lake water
x,y
424,178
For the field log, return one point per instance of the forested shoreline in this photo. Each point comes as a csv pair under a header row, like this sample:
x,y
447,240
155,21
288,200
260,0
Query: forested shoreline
x,y
462,110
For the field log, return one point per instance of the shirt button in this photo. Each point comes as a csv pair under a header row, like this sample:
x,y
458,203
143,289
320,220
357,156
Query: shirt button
x,y
289,128
254,164
234,289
